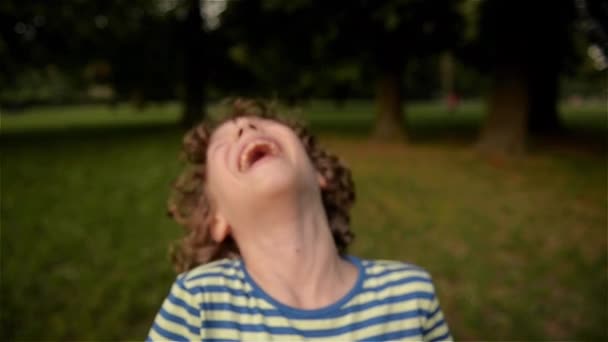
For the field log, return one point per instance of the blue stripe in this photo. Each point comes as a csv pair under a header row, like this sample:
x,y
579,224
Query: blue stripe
x,y
210,306
219,340
167,334
179,302
442,337
395,335
312,333
224,263
179,321
435,326
220,289
215,324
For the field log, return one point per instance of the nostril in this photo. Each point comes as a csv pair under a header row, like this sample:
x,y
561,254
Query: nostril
x,y
240,132
252,126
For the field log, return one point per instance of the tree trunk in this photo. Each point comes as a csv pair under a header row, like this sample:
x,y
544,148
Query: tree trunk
x,y
194,66
446,74
504,131
389,113
544,83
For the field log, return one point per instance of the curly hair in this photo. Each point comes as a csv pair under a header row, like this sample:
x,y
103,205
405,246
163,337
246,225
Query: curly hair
x,y
191,207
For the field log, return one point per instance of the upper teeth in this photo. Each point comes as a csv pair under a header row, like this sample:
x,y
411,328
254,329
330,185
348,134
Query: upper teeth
x,y
245,161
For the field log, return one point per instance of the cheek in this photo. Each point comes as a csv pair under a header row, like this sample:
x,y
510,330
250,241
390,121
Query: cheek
x,y
216,177
221,183
304,164
290,141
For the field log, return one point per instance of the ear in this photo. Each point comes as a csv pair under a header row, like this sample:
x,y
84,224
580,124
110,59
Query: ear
x,y
220,228
322,181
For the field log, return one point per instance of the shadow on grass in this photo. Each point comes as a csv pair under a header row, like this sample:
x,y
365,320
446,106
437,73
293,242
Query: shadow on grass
x,y
417,131
587,138
82,134
581,138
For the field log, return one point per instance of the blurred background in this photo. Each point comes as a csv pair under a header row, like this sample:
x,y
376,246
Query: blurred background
x,y
476,132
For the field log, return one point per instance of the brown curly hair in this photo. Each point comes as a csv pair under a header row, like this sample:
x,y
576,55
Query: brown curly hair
x,y
190,206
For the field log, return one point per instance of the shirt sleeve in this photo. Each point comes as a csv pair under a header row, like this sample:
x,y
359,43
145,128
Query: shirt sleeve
x,y
435,328
179,318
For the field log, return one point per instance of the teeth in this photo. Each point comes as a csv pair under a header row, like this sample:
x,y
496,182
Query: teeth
x,y
245,161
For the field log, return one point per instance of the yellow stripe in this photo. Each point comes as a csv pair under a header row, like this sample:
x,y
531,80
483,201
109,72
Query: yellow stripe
x,y
216,266
237,285
373,282
440,330
391,291
178,292
375,269
232,334
227,298
231,272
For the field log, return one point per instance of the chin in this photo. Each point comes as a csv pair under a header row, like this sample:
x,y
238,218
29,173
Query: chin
x,y
275,180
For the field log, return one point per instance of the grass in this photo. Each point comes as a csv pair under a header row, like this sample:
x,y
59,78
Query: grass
x,y
517,249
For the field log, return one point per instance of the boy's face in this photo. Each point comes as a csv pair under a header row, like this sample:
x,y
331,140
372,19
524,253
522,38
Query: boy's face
x,y
251,161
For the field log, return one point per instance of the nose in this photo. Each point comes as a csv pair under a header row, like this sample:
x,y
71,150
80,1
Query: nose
x,y
244,124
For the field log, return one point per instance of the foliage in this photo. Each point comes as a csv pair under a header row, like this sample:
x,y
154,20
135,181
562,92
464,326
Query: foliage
x,y
126,44
318,49
295,49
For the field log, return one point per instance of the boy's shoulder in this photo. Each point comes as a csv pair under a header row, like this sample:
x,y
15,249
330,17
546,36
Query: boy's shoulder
x,y
381,267
400,277
212,273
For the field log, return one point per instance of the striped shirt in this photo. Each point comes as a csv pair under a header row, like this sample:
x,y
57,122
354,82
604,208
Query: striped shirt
x,y
220,301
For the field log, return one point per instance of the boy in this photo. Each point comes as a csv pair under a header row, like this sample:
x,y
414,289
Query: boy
x,y
266,212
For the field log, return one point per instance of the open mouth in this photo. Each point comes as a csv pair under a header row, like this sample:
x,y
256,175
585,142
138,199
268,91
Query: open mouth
x,y
256,151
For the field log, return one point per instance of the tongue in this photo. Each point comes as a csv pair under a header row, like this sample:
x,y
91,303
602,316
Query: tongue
x,y
256,156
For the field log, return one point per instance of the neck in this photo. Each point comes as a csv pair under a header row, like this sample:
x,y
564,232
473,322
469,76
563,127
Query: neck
x,y
294,257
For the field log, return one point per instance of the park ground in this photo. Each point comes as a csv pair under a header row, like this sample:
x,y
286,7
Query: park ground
x,y
517,248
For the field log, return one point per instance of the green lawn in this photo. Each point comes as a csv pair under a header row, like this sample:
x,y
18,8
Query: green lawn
x,y
517,248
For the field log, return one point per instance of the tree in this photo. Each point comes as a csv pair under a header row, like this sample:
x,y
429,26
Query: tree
x,y
290,45
388,34
524,58
275,45
141,46
195,64
74,36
